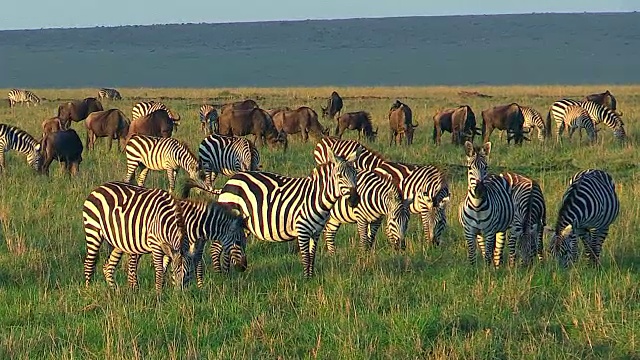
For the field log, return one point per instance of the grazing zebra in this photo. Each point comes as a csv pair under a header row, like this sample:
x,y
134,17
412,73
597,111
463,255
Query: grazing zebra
x,y
589,207
424,188
147,107
280,208
106,93
379,197
22,96
227,155
153,153
487,210
529,218
136,221
14,138
533,119
209,120
576,117
597,112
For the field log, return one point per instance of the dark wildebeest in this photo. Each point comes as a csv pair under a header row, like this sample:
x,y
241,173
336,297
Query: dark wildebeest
x,y
504,117
302,120
255,121
110,123
52,125
64,146
274,111
605,99
460,122
78,110
159,123
239,105
400,123
334,106
359,120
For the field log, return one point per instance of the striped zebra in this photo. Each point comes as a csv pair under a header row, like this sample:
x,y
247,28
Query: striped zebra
x,y
22,96
136,221
227,155
487,210
589,207
154,153
14,138
533,119
145,108
209,120
576,117
424,187
106,93
379,197
529,218
280,208
597,112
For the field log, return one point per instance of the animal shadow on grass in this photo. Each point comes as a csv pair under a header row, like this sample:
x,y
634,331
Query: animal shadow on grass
x,y
446,327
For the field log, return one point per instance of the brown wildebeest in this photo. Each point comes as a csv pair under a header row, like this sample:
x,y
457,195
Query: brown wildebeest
x,y
334,106
64,146
159,123
359,120
52,125
247,104
78,110
504,117
273,112
605,99
110,123
302,120
255,121
401,123
460,122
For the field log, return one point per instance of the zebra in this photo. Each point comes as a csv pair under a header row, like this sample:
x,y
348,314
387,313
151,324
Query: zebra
x,y
14,138
147,107
149,152
209,120
425,183
135,220
378,197
533,119
487,210
22,96
589,207
576,117
529,218
106,93
597,112
227,155
280,208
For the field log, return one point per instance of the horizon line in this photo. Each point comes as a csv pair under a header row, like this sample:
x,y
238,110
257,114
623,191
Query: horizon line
x,y
308,20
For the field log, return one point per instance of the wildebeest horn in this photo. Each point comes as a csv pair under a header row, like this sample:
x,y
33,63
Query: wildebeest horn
x,y
415,126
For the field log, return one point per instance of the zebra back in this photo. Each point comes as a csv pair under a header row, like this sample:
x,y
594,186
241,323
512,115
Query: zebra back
x,y
14,138
21,95
368,159
106,93
600,113
161,154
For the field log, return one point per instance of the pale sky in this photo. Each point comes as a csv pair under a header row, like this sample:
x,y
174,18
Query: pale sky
x,y
36,14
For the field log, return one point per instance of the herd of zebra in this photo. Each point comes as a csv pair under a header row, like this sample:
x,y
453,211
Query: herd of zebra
x,y
351,183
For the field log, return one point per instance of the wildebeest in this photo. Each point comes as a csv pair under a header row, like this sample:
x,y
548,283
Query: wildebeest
x,y
274,111
334,106
159,123
78,110
110,123
302,120
255,121
247,104
64,146
401,123
360,121
460,122
52,125
504,117
605,99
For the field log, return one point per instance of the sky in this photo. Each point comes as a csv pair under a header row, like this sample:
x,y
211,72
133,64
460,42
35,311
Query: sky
x,y
36,14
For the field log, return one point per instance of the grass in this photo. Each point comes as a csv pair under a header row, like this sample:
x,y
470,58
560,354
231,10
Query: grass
x,y
424,303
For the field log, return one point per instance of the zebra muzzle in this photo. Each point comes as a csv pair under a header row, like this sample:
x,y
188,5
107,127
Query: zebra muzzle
x,y
353,198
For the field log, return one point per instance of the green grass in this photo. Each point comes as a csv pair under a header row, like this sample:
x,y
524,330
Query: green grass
x,y
424,303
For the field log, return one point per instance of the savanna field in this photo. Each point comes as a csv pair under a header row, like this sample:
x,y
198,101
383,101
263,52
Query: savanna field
x,y
425,302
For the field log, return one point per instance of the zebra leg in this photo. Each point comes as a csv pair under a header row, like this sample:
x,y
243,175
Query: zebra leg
x,y
110,265
219,258
479,239
511,244
307,245
93,248
330,230
499,248
198,263
539,242
597,239
171,174
470,237
132,270
363,232
131,170
559,130
490,247
143,175
373,230
1,158
159,267
210,178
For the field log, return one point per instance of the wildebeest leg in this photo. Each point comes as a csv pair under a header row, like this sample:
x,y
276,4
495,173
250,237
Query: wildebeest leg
x,y
75,168
571,131
143,175
171,174
110,142
487,134
47,163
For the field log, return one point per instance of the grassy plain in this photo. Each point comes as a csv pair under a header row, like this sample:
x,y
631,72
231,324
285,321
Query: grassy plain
x,y
424,303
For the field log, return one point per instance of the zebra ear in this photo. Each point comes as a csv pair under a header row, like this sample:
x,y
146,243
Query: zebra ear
x,y
487,148
331,157
468,148
166,249
236,212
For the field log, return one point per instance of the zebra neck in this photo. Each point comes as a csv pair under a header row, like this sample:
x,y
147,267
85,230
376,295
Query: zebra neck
x,y
476,192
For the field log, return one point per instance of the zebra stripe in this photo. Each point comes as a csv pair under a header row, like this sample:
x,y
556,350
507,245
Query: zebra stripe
x,y
597,113
487,210
209,120
147,107
280,208
368,159
533,119
135,220
106,93
22,96
14,138
153,153
576,117
227,155
529,218
379,197
589,207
